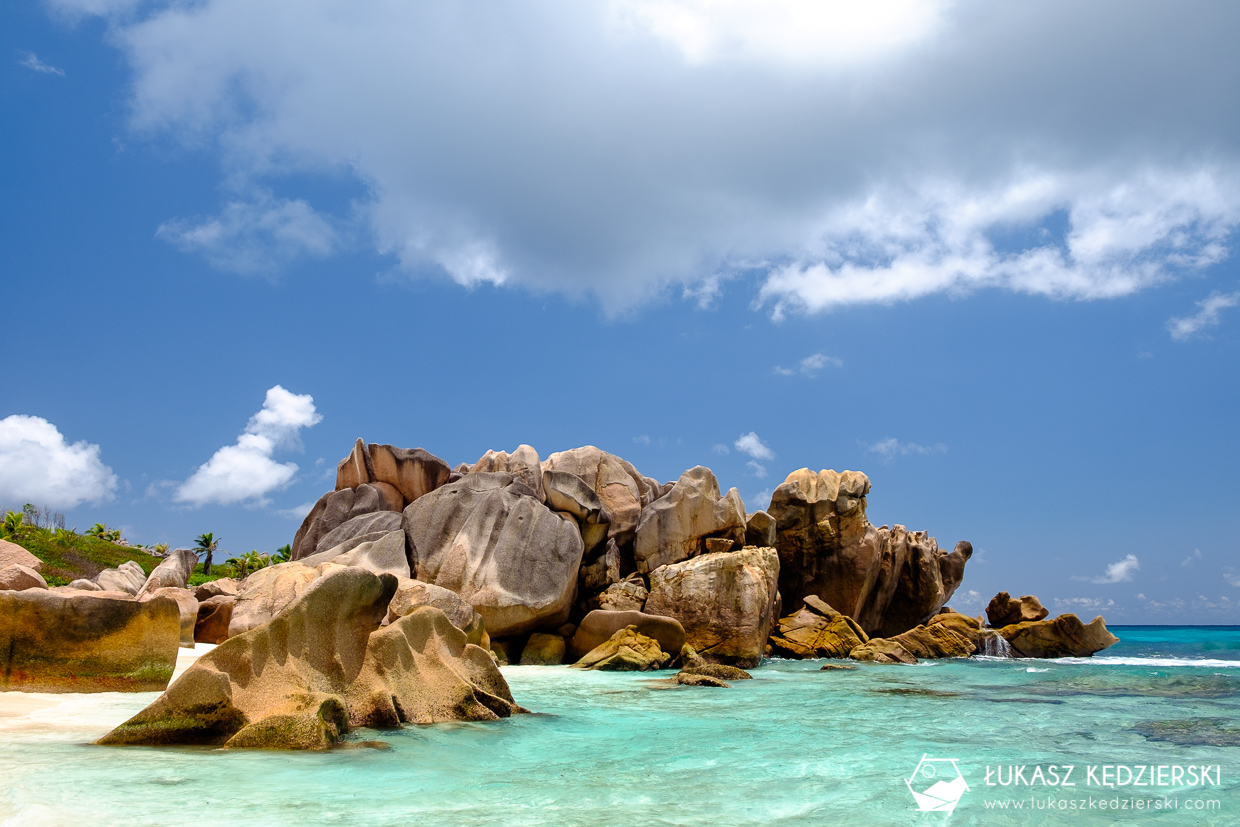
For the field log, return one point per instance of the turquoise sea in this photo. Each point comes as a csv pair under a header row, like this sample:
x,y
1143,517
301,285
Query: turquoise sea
x,y
794,746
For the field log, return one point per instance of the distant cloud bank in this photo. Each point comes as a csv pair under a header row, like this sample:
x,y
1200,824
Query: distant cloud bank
x,y
38,466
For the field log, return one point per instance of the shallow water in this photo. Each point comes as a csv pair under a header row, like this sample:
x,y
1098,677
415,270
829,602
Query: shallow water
x,y
796,745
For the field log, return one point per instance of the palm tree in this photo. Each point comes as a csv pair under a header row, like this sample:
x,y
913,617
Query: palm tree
x,y
206,544
282,554
13,524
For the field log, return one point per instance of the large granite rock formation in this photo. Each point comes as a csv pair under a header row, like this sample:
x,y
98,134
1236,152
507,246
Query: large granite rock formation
x,y
81,641
760,530
1004,611
172,573
187,605
360,529
726,602
410,472
888,580
598,626
490,540
214,615
384,554
412,594
946,636
266,592
568,493
320,667
523,464
677,526
1065,636
816,631
622,490
335,508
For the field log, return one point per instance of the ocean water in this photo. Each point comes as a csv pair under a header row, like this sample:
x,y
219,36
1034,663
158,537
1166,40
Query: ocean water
x,y
794,746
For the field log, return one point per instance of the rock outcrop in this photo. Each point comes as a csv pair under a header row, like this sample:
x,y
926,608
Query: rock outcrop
x,y
678,525
357,530
947,638
888,580
334,509
11,554
599,626
523,464
80,641
385,554
621,489
625,651
187,606
214,615
320,667
543,650
629,595
128,577
490,540
17,577
726,602
172,573
1065,636
568,493
266,592
1004,611
412,594
760,530
816,631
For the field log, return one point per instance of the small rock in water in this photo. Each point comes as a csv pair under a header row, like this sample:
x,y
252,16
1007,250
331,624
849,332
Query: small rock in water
x,y
836,667
694,679
718,670
381,746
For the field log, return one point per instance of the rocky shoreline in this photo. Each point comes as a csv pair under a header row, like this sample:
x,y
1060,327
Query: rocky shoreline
x,y
410,582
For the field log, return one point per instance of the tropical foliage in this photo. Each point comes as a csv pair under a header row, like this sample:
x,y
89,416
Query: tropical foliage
x,y
206,545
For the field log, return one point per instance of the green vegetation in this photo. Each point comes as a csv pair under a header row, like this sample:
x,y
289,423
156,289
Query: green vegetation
x,y
68,556
206,544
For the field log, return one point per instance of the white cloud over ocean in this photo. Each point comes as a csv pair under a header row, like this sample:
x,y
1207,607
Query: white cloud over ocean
x,y
37,465
246,471
835,153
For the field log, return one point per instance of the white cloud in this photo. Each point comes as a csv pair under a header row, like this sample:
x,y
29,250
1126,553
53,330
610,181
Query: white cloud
x,y
1083,603
762,500
642,440
1192,558
246,471
811,364
1119,572
845,153
1140,595
752,445
757,468
254,236
1185,327
782,32
1232,578
297,512
721,449
38,466
890,448
31,61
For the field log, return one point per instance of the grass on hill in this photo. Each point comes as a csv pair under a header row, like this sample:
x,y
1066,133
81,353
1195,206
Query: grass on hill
x,y
67,557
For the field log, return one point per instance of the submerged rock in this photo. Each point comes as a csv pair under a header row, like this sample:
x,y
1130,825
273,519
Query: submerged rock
x,y
320,667
81,641
698,679
720,671
725,602
625,651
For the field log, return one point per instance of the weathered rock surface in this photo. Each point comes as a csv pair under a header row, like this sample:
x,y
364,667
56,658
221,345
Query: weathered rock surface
x,y
678,525
725,602
412,594
80,641
187,606
523,464
621,489
882,650
172,573
1065,636
411,471
543,650
11,554
969,628
888,580
599,626
487,538
212,588
1004,611
386,554
625,651
947,638
268,591
718,670
85,585
760,530
629,595
334,509
214,615
318,668
17,577
359,529
816,631
597,574
128,577
568,493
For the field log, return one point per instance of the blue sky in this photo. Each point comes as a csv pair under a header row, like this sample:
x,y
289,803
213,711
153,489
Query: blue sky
x,y
983,252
